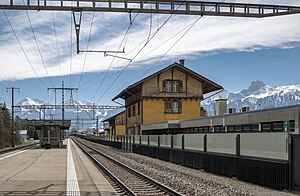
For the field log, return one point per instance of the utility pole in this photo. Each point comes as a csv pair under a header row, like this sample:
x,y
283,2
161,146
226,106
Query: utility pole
x,y
12,113
63,89
97,126
77,119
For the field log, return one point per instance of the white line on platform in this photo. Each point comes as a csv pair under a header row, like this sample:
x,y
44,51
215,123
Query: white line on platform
x,y
10,155
72,182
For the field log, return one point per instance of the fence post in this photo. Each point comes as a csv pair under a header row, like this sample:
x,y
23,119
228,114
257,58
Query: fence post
x,y
205,143
238,145
172,143
127,142
140,139
121,142
158,141
182,142
148,140
130,143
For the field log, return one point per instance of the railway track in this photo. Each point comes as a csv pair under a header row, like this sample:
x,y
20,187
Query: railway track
x,y
124,179
24,147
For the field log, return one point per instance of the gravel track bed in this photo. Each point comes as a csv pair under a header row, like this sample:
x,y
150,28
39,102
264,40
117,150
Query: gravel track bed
x,y
138,185
186,180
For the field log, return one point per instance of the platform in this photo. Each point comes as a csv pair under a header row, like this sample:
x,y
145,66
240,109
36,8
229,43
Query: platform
x,y
64,171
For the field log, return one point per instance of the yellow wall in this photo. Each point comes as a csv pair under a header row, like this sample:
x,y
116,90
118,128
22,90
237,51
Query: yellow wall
x,y
120,129
154,110
134,119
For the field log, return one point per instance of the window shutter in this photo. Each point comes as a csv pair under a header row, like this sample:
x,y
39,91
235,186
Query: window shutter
x,y
179,106
166,107
180,86
164,85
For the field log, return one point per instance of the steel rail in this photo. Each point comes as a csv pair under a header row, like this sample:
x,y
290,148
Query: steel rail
x,y
105,170
135,172
6,150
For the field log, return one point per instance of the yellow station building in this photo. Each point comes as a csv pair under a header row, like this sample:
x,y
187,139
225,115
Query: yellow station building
x,y
173,93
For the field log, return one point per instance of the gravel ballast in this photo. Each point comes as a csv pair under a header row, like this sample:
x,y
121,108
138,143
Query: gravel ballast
x,y
186,180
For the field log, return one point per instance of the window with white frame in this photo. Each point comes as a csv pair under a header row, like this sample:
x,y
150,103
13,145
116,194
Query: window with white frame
x,y
176,86
172,86
173,107
168,86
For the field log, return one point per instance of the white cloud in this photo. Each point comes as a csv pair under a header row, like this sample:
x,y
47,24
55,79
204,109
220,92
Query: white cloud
x,y
210,34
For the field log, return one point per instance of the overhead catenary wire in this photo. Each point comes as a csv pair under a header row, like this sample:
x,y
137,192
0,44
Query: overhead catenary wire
x,y
127,53
110,66
23,51
38,47
71,49
56,44
150,26
190,27
174,35
122,71
87,48
5,100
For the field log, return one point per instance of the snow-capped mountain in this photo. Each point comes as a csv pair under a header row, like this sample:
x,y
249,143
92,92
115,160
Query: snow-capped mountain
x,y
257,96
79,117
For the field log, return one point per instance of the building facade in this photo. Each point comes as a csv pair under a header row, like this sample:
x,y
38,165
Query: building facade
x,y
116,124
280,119
173,93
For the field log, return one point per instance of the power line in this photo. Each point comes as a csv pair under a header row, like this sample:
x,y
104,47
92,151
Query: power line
x,y
5,100
190,27
37,45
56,43
153,35
23,48
97,76
12,113
97,83
71,51
150,28
106,72
87,47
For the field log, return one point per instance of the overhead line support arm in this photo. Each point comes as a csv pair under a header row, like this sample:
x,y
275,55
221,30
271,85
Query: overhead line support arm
x,y
158,6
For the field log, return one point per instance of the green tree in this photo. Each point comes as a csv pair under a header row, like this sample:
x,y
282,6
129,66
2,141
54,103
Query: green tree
x,y
5,131
5,128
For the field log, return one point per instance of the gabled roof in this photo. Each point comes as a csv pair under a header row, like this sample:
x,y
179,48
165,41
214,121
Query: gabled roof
x,y
111,117
209,85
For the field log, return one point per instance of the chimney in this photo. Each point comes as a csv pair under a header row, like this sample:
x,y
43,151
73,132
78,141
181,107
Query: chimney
x,y
181,62
220,107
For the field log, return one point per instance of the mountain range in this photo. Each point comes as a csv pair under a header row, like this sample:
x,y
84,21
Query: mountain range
x,y
82,119
257,96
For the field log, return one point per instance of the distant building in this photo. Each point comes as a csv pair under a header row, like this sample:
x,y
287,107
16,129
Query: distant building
x,y
280,119
173,93
23,135
116,124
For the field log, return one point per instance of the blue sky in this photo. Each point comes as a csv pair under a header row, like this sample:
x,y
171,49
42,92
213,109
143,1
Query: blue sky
x,y
230,51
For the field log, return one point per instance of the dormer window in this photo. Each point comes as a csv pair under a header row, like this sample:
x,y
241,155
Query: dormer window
x,y
172,86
